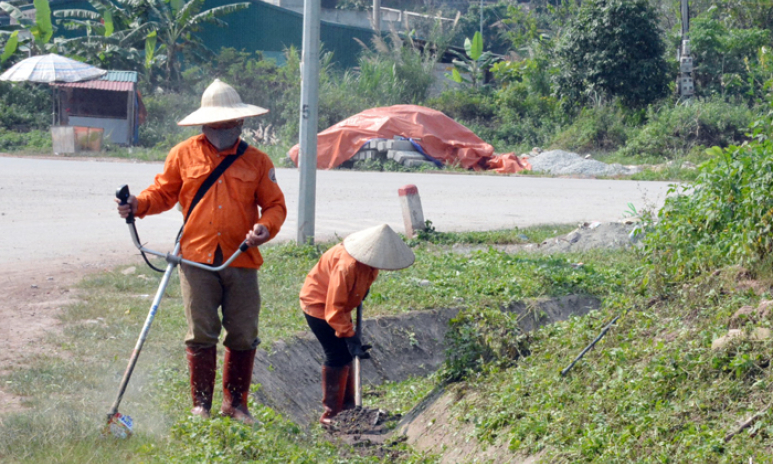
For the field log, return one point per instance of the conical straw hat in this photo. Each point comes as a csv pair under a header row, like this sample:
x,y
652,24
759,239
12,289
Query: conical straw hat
x,y
379,247
220,102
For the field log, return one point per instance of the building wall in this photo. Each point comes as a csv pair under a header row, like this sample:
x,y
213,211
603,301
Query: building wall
x,y
266,27
116,130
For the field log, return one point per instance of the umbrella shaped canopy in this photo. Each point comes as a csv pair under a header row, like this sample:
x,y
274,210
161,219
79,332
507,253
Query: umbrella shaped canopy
x,y
51,68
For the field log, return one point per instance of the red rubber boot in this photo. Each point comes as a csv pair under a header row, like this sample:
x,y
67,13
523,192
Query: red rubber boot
x,y
237,376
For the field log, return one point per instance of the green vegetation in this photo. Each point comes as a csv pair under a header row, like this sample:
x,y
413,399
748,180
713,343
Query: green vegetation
x,y
596,77
654,389
68,392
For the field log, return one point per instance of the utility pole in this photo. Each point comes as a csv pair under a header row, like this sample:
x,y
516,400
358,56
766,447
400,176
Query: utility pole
x,y
481,19
307,156
377,17
684,83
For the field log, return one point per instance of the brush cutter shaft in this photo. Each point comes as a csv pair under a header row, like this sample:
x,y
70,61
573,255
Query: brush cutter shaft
x,y
357,377
143,335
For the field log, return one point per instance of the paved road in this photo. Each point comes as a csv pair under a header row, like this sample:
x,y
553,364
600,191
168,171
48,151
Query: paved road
x,y
54,210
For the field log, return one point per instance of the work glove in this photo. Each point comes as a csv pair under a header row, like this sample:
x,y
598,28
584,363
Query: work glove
x,y
356,348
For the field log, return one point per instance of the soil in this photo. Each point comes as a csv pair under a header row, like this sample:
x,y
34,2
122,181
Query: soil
x,y
33,298
367,430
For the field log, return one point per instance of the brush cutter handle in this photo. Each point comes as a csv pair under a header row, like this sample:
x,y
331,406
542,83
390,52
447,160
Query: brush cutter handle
x,y
123,196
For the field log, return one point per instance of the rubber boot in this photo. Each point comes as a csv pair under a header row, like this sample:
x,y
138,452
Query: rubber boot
x,y
202,364
237,376
349,392
333,389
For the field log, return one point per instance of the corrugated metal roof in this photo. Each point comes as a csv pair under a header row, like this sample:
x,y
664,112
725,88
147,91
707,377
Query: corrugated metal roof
x,y
99,84
116,81
120,76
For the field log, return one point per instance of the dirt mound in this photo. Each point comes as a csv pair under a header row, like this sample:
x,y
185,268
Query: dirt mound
x,y
587,236
363,421
403,346
368,431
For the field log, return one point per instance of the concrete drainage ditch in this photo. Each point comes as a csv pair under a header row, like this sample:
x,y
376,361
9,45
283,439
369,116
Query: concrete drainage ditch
x,y
403,346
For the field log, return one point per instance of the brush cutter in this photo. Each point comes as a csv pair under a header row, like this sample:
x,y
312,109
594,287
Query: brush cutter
x,y
120,425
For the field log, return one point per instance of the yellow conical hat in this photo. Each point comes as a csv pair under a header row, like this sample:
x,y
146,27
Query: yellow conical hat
x,y
220,102
379,247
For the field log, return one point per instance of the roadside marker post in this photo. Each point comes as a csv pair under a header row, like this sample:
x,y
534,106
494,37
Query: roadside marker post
x,y
413,216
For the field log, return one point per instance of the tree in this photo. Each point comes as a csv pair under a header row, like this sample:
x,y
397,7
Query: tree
x,y
176,22
115,32
29,36
476,63
146,34
612,48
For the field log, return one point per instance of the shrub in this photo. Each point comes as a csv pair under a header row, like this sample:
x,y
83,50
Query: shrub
x,y
613,48
164,110
724,57
673,130
467,106
25,106
725,217
32,140
479,338
594,129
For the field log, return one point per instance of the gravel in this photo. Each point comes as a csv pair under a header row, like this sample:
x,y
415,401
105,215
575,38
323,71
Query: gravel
x,y
565,163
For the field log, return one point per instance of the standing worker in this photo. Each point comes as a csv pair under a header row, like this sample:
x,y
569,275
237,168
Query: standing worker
x,y
333,289
245,199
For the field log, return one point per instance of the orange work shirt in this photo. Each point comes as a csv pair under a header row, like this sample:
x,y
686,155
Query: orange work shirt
x,y
230,207
335,286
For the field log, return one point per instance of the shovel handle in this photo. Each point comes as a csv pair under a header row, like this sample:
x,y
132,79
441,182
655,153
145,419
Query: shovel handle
x,y
357,376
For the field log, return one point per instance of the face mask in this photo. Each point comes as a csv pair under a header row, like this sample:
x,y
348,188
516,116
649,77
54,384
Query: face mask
x,y
222,138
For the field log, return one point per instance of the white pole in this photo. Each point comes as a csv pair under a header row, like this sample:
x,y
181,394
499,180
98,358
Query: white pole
x,y
481,19
377,16
307,156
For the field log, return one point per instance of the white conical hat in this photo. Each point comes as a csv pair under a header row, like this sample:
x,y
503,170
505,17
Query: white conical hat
x,y
220,102
379,247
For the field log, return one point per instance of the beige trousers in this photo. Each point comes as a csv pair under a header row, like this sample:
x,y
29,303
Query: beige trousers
x,y
235,291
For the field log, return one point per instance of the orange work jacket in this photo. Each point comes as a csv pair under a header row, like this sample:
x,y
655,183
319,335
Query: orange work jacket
x,y
335,286
230,207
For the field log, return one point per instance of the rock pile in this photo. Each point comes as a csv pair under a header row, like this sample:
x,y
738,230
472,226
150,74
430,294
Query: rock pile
x,y
565,163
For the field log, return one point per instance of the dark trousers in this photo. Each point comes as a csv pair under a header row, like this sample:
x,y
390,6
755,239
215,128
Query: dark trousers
x,y
336,352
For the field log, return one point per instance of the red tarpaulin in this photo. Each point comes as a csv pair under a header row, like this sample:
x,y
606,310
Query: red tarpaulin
x,y
442,138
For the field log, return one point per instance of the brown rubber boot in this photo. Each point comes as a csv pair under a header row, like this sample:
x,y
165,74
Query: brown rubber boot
x,y
349,392
333,388
202,364
237,376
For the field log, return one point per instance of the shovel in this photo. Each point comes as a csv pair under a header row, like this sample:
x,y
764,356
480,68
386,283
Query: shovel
x,y
357,377
120,425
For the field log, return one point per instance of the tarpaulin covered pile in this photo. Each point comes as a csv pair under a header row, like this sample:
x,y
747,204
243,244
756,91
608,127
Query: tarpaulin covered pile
x,y
440,137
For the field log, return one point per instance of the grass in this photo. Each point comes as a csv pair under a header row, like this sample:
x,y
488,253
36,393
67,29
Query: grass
x,y
69,393
651,391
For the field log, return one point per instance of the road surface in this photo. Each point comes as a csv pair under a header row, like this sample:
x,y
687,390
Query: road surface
x,y
52,210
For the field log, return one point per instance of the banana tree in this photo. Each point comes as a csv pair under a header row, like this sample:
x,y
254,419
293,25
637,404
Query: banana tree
x,y
176,23
31,36
474,63
114,32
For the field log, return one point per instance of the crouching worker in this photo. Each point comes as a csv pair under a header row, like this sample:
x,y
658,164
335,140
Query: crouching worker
x,y
245,203
333,289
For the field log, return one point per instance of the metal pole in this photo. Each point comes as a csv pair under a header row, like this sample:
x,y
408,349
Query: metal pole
x,y
481,19
307,156
377,16
357,369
